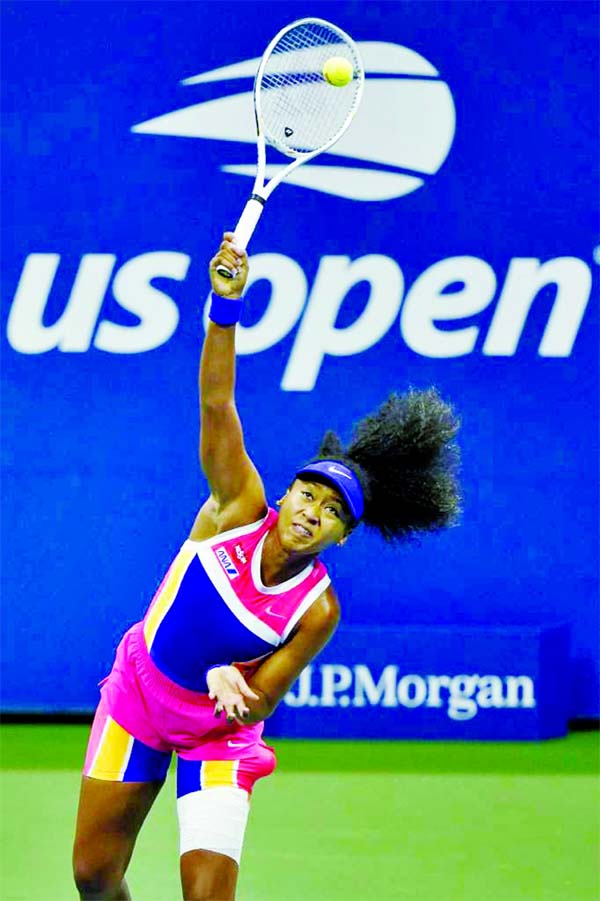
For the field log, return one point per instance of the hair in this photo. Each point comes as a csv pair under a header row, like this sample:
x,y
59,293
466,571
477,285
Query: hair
x,y
407,463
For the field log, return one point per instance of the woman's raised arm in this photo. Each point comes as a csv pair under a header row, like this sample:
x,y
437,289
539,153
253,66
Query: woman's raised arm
x,y
237,493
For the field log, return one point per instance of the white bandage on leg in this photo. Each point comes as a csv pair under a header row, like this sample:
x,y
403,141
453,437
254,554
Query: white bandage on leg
x,y
213,820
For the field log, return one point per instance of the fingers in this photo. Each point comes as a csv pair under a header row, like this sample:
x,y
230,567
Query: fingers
x,y
229,689
235,713
230,250
232,704
235,260
229,254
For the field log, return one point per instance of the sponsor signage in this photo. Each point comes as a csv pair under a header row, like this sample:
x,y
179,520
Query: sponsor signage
x,y
414,314
226,562
444,682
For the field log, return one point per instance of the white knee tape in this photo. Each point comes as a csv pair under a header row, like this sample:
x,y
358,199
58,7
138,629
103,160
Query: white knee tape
x,y
213,820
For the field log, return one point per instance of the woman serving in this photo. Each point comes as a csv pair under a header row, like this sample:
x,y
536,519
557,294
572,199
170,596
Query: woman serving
x,y
244,607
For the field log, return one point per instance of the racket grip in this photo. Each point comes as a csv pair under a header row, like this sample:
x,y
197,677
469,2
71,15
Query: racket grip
x,y
245,228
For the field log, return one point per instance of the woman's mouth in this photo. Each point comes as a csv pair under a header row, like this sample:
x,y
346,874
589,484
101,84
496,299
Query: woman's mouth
x,y
302,531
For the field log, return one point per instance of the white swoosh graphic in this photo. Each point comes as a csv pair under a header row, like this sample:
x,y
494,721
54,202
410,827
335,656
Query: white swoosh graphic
x,y
405,123
342,181
409,124
379,57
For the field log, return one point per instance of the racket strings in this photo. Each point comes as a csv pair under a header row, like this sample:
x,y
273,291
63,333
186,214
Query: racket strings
x,y
300,111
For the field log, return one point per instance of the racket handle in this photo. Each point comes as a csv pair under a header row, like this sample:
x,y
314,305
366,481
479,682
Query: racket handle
x,y
245,228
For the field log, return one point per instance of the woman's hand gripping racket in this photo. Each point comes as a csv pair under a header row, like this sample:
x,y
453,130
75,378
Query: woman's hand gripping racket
x,y
306,92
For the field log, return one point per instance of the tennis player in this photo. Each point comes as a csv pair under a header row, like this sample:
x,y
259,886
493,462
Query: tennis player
x,y
245,605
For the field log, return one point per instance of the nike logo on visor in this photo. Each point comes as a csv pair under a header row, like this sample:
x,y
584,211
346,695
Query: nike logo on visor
x,y
339,472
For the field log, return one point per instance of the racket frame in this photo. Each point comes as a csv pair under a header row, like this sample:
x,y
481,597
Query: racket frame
x,y
261,191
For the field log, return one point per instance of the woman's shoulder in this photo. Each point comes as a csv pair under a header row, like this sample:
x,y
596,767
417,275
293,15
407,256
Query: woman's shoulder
x,y
323,615
212,521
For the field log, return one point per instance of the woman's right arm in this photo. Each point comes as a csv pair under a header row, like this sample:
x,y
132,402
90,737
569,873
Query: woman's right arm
x,y
236,490
253,699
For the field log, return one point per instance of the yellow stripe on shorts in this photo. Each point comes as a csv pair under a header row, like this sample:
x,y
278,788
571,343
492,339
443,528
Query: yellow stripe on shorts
x,y
114,750
168,593
219,773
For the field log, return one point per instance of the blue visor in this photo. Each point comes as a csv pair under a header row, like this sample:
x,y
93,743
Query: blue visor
x,y
343,478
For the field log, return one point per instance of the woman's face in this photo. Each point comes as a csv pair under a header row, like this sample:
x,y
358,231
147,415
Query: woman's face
x,y
312,517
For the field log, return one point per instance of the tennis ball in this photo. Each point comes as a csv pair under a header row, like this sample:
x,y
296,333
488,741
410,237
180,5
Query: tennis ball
x,y
338,71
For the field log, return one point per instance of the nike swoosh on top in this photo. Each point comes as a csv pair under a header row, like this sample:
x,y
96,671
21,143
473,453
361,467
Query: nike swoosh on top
x,y
235,744
272,612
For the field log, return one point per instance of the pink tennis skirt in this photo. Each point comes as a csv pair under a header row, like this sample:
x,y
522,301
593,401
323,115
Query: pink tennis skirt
x,y
164,717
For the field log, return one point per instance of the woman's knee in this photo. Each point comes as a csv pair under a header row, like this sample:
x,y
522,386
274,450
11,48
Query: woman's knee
x,y
206,876
108,821
97,874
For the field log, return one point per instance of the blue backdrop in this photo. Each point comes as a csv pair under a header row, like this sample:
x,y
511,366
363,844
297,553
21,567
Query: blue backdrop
x,y
449,239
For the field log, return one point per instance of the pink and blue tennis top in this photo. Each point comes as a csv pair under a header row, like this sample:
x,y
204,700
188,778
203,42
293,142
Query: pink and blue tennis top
x,y
213,608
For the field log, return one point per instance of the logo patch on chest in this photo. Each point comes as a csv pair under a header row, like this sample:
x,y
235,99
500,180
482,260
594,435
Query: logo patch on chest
x,y
226,562
239,553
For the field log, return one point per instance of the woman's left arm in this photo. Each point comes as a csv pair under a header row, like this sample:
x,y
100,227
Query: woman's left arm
x,y
263,691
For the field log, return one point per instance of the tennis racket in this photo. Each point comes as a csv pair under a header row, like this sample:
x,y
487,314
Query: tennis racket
x,y
297,110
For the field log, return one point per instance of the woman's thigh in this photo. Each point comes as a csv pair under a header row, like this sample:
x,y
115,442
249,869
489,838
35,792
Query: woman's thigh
x,y
213,803
109,817
212,824
121,779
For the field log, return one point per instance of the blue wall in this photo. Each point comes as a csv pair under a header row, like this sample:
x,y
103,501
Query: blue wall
x,y
451,241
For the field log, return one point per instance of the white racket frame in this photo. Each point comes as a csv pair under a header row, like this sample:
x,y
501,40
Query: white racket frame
x,y
261,191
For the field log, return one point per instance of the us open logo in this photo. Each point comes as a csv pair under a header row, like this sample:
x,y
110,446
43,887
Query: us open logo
x,y
402,132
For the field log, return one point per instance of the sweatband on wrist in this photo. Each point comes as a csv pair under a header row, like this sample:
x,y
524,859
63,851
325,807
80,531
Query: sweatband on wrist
x,y
224,310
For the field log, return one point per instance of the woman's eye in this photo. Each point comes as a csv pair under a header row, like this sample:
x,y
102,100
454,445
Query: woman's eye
x,y
307,494
335,511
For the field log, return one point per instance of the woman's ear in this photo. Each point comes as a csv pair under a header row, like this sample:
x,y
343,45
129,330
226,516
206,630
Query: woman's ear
x,y
345,538
281,499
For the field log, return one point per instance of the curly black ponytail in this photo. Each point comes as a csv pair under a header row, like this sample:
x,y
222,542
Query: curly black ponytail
x,y
407,462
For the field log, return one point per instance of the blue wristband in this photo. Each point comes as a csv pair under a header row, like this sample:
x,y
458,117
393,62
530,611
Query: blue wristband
x,y
224,310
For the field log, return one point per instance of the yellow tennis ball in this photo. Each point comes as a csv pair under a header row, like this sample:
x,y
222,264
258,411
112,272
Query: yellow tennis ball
x,y
338,71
